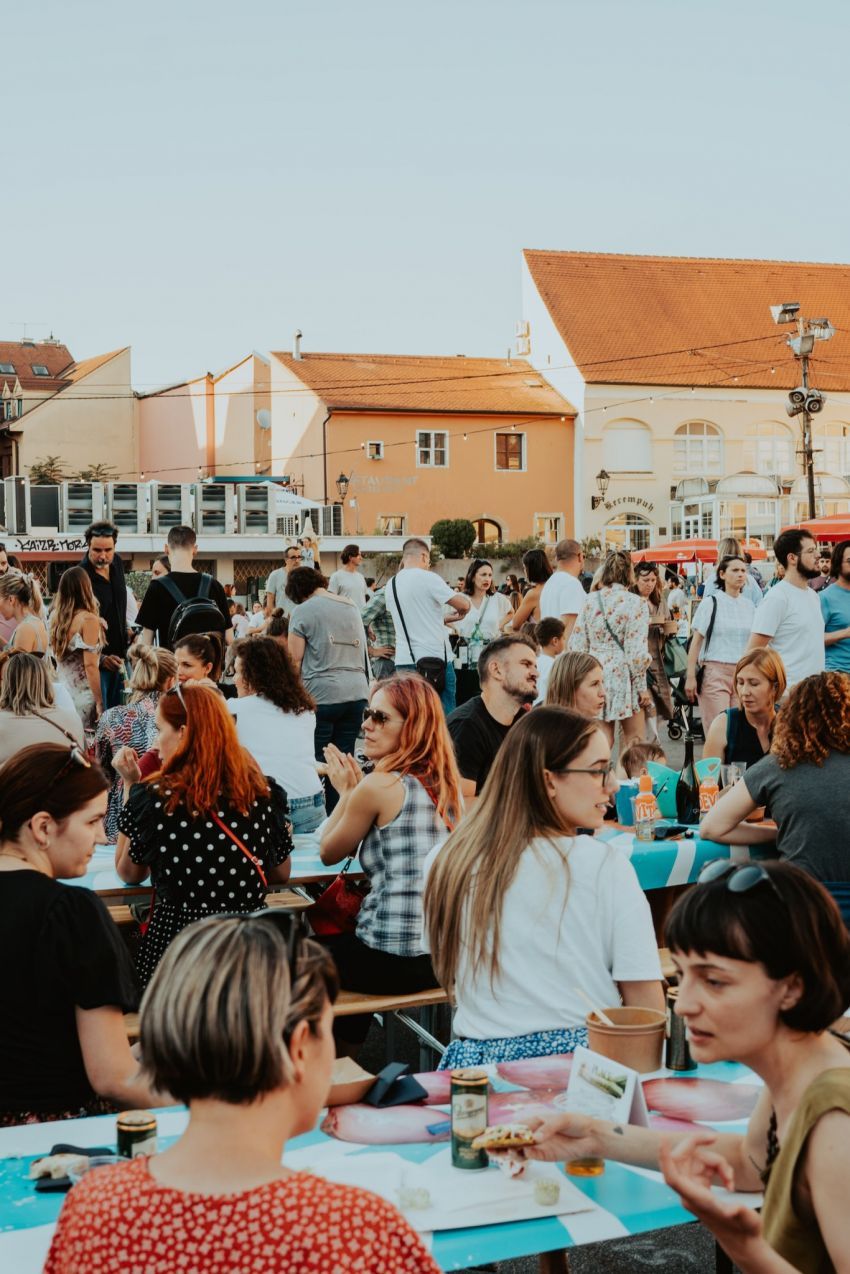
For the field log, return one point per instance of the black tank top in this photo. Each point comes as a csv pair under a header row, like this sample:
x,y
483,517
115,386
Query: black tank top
x,y
742,740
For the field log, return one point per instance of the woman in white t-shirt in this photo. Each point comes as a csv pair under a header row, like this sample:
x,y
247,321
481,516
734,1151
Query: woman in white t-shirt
x,y
720,634
276,722
520,910
488,613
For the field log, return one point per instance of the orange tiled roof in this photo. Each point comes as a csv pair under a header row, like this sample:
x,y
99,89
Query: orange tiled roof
x,y
56,358
621,316
387,382
80,370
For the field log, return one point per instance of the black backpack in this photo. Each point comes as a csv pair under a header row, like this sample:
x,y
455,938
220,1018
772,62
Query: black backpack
x,y
198,614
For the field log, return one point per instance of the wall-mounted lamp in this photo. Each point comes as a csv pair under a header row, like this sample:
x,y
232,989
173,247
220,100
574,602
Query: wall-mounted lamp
x,y
342,485
602,480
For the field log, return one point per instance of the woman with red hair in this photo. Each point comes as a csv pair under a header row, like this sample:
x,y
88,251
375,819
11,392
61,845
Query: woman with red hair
x,y
394,816
208,827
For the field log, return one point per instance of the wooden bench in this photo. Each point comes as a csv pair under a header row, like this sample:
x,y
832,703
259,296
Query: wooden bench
x,y
280,900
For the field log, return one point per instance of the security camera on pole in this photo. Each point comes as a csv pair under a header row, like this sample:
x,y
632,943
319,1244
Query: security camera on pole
x,y
804,400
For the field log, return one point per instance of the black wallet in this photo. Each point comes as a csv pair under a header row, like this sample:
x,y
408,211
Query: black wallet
x,y
394,1087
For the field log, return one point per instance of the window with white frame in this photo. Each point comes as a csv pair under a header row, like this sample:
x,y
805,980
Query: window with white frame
x,y
392,523
374,451
547,527
698,449
769,449
627,447
432,449
510,452
832,442
39,369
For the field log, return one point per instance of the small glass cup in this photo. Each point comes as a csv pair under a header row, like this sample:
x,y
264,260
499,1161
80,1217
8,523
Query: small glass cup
x,y
731,773
644,824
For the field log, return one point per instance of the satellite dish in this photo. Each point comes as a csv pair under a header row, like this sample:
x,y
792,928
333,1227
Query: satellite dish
x,y
264,418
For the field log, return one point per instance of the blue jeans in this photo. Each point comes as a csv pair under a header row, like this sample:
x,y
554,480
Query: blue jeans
x,y
448,698
112,687
306,813
337,723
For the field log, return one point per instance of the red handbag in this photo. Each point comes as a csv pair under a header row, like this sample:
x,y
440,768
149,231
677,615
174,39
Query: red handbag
x,y
335,910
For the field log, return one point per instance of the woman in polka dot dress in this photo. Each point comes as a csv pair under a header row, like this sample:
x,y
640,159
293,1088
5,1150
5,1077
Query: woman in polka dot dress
x,y
237,1023
209,828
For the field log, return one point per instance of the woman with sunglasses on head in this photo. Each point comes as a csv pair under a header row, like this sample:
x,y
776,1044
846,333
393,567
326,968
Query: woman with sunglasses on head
x,y
276,721
68,977
28,710
236,1023
393,816
521,908
20,600
802,782
763,963
209,828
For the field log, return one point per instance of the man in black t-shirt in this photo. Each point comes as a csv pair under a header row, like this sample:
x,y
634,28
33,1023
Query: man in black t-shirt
x,y
159,605
507,670
106,572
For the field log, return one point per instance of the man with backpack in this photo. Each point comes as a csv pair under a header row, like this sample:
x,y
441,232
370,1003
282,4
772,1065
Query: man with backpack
x,y
184,601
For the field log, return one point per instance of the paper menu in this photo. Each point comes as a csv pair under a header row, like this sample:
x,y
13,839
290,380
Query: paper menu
x,y
604,1089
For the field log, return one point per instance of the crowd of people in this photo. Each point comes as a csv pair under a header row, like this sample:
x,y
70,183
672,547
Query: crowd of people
x,y
469,789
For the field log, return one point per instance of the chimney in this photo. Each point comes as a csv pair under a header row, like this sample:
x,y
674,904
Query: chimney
x,y
296,345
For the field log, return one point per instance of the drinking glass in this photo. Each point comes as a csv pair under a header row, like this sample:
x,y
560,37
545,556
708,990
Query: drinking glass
x,y
729,774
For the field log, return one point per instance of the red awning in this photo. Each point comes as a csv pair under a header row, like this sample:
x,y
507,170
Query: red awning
x,y
830,530
692,551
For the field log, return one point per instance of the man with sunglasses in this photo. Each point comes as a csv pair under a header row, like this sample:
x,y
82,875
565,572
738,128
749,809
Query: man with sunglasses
x,y
276,598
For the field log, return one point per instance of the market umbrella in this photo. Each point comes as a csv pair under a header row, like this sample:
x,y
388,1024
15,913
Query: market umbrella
x,y
692,551
830,530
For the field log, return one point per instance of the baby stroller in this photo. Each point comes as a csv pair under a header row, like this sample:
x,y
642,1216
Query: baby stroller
x,y
686,718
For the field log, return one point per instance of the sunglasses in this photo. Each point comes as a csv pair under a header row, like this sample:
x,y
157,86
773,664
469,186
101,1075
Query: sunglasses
x,y
176,690
289,924
740,878
75,757
375,714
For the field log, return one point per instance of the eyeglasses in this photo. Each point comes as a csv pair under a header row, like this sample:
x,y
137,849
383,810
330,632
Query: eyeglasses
x,y
740,877
375,714
76,756
604,776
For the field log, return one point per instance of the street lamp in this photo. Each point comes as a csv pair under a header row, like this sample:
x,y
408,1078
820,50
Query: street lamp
x,y
342,485
602,480
804,401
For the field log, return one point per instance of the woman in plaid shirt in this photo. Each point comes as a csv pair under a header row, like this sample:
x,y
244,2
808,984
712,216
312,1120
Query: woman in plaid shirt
x,y
394,816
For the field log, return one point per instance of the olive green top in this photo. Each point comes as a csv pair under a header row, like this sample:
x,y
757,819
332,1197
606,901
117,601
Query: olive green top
x,y
799,1240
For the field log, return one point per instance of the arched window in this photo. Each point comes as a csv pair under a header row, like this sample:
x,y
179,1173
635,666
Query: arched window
x,y
698,449
487,531
627,447
628,531
769,448
831,444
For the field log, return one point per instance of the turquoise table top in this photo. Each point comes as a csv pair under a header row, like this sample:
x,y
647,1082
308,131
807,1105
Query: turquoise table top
x,y
622,1201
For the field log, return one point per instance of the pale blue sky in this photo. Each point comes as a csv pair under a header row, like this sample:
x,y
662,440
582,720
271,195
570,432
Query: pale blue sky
x,y
198,179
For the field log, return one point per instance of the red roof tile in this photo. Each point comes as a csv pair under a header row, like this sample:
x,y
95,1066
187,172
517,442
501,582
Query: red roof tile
x,y
691,320
55,357
386,382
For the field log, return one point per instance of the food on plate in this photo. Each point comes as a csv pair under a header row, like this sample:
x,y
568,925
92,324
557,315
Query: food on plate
x,y
57,1166
709,1100
547,1192
504,1137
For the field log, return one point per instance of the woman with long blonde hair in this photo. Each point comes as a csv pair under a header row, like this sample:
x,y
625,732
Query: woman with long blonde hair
x,y
521,909
393,815
576,681
20,600
76,637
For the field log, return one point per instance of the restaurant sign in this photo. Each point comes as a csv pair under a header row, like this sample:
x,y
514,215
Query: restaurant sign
x,y
630,499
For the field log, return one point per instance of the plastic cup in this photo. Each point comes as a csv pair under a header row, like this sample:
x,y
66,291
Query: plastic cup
x,y
644,824
636,1039
623,800
729,774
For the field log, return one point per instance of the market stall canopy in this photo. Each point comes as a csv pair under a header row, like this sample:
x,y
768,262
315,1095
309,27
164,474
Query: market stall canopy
x,y
693,551
829,530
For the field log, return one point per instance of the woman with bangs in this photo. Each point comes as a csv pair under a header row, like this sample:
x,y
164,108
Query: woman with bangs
x,y
208,827
521,909
392,816
763,963
801,782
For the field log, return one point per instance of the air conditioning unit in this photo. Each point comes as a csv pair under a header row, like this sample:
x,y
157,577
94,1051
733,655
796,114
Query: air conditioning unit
x,y
523,345
80,504
256,508
215,508
127,506
523,328
171,505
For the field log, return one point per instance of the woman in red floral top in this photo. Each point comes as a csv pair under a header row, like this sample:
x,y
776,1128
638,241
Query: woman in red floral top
x,y
223,1030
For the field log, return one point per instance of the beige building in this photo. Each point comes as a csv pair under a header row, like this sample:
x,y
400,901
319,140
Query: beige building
x,y
680,379
83,412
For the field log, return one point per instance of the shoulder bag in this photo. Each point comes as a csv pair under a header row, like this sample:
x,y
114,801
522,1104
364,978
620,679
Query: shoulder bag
x,y
432,669
335,910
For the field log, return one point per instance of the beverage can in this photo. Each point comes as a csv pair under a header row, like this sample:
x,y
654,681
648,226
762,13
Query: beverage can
x,y
678,1054
469,1088
135,1133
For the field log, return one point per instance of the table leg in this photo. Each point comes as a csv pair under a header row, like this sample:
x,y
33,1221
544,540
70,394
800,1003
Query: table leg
x,y
554,1263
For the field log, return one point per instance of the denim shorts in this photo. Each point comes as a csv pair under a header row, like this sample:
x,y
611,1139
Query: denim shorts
x,y
306,813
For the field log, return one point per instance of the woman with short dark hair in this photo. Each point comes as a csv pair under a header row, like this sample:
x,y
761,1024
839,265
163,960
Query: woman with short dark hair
x,y
237,1024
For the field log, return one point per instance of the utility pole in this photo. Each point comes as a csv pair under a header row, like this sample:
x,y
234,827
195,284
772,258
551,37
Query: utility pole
x,y
804,400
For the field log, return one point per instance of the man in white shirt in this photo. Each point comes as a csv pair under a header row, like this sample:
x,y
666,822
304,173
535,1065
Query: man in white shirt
x,y
563,596
415,598
348,582
276,598
789,618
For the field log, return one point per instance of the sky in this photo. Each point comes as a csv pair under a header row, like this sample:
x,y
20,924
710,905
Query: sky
x,y
198,179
